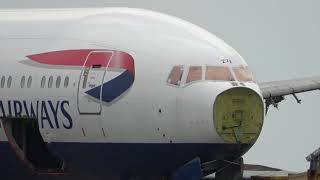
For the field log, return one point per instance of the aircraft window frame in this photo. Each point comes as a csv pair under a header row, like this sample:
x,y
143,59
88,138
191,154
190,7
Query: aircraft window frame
x,y
58,82
243,74
66,82
29,82
218,73
23,81
194,74
43,81
50,82
9,82
175,75
3,81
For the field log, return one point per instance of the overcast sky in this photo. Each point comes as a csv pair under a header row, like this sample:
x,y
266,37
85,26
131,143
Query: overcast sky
x,y
278,39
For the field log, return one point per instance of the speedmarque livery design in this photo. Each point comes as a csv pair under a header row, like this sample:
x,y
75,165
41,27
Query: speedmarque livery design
x,y
119,93
88,58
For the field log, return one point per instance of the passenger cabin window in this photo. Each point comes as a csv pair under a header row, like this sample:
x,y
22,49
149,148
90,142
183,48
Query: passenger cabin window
x,y
175,75
58,81
9,82
50,82
195,73
43,81
218,73
66,82
3,81
23,81
243,74
29,82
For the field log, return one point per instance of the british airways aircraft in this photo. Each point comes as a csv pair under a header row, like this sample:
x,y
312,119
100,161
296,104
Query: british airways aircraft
x,y
128,93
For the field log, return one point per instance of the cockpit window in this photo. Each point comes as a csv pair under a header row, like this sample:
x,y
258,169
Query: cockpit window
x,y
175,75
218,73
243,74
179,75
195,73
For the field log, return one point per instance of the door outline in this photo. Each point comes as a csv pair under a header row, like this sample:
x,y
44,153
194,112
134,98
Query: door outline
x,y
101,84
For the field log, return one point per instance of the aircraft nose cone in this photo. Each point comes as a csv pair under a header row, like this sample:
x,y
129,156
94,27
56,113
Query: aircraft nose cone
x,y
238,115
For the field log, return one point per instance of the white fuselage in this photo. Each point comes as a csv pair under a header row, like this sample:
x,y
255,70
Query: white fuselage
x,y
150,111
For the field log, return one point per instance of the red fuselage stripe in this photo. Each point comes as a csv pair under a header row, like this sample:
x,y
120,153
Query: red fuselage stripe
x,y
78,58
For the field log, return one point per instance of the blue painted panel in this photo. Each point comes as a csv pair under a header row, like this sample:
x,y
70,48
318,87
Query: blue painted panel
x,y
113,88
190,171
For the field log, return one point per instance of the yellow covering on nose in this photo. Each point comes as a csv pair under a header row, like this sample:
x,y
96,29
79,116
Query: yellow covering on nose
x,y
238,115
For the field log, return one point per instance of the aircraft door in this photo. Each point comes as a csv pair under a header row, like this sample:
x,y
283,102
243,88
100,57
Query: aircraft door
x,y
91,79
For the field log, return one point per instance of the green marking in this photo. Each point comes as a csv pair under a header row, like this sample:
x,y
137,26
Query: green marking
x,y
238,115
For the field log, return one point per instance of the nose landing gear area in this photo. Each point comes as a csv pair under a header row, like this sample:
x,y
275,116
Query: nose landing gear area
x,y
26,141
238,115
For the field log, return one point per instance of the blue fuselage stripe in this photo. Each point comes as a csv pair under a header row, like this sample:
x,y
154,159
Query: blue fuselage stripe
x,y
134,157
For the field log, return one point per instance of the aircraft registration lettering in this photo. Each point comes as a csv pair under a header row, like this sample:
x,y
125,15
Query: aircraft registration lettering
x,y
47,112
224,61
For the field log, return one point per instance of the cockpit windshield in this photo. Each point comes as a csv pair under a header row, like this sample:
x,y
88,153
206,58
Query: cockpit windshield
x,y
195,73
218,73
212,73
175,75
243,73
